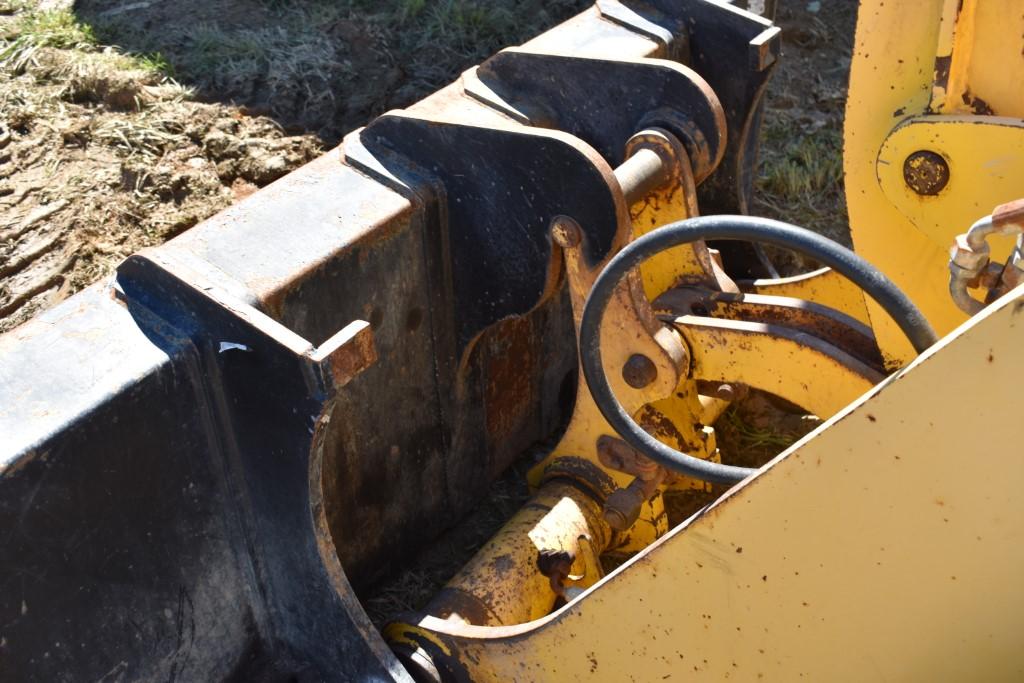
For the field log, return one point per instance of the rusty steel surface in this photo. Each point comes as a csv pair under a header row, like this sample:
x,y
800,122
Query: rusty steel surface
x,y
1009,217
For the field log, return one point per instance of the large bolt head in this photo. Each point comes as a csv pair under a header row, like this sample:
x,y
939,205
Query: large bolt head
x,y
639,371
926,172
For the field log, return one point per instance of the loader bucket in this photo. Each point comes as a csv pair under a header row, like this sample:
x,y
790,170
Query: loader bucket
x,y
203,454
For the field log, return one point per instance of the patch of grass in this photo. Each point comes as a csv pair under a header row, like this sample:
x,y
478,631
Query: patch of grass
x,y
155,62
34,30
809,166
148,136
752,437
462,23
407,9
330,65
213,48
472,29
55,28
801,176
14,6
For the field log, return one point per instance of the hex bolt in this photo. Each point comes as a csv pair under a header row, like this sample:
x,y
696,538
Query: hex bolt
x,y
926,172
639,371
622,508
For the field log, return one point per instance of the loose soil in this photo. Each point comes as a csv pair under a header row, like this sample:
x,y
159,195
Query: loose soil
x,y
124,123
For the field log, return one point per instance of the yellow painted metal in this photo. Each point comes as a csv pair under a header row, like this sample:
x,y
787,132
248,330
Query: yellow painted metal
x,y
877,548
985,155
798,367
629,329
676,200
823,286
670,407
683,420
502,585
910,88
980,47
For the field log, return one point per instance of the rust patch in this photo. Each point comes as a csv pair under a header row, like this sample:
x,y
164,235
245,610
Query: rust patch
x,y
1009,215
976,104
347,353
942,65
508,389
661,427
926,172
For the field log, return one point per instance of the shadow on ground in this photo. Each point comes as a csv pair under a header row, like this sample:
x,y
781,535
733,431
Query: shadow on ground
x,y
317,66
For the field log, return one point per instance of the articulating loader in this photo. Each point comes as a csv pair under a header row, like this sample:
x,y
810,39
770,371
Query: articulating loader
x,y
204,453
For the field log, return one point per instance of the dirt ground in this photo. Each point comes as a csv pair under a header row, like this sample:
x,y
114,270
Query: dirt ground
x,y
125,122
